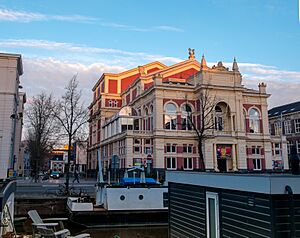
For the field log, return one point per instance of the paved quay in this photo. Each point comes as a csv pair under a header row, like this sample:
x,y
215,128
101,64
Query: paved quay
x,y
50,187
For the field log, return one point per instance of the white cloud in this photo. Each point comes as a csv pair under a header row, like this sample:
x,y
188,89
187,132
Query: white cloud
x,y
283,85
169,28
22,16
26,17
52,75
62,60
114,56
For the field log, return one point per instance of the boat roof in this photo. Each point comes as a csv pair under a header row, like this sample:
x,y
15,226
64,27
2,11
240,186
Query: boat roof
x,y
131,181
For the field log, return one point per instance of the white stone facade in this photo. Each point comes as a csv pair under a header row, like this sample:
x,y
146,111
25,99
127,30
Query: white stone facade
x,y
10,128
140,116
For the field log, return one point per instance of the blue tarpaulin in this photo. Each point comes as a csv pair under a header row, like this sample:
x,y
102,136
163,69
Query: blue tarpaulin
x,y
130,181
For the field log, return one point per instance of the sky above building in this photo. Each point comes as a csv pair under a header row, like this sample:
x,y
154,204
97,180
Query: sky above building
x,y
60,38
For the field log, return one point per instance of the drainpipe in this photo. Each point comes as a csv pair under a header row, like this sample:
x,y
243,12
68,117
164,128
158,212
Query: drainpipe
x,y
289,191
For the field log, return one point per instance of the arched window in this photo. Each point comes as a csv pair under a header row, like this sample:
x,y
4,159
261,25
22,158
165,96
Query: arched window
x,y
219,118
254,121
186,117
146,120
245,119
151,117
170,117
136,120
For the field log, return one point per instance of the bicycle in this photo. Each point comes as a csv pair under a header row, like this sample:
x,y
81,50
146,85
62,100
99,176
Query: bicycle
x,y
63,192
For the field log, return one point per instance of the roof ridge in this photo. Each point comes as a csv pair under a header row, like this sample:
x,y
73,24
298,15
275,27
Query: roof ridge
x,y
288,104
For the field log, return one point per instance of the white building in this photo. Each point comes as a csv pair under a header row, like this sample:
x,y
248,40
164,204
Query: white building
x,y
81,155
11,108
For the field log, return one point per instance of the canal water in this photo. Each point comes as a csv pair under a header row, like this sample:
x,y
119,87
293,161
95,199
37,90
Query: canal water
x,y
128,232
131,232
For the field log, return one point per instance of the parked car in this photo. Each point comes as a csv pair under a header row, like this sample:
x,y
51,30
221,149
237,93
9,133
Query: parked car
x,y
54,175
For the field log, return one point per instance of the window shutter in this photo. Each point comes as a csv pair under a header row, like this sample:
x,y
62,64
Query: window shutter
x,y
263,164
250,164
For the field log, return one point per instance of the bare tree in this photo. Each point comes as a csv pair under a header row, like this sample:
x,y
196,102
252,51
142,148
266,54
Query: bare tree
x,y
72,116
41,130
207,122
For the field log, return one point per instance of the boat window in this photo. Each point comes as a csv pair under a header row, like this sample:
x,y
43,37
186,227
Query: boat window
x,y
141,197
166,199
122,197
212,215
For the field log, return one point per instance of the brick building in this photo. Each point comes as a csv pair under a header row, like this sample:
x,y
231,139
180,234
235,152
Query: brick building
x,y
285,122
140,117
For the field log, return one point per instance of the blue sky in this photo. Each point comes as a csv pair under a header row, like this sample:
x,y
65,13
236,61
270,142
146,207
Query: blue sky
x,y
59,38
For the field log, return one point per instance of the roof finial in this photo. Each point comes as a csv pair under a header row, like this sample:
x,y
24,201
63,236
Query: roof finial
x,y
235,66
203,62
191,54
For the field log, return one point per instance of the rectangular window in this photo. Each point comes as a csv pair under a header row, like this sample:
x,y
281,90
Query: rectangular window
x,y
277,128
147,150
187,149
287,127
171,122
137,162
298,146
212,215
187,163
255,150
171,162
166,199
137,149
297,125
124,128
219,123
277,149
171,148
257,164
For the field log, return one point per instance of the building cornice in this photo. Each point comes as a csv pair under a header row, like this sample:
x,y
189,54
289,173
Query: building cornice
x,y
16,56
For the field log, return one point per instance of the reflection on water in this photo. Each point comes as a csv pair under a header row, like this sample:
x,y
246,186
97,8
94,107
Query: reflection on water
x,y
130,232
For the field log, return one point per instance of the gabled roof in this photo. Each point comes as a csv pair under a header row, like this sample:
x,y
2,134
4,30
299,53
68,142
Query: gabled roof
x,y
284,109
129,72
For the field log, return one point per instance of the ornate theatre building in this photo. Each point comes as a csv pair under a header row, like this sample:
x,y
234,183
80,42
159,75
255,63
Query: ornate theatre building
x,y
151,115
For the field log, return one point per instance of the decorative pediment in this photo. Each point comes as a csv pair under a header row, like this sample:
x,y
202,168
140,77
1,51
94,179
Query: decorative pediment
x,y
220,67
